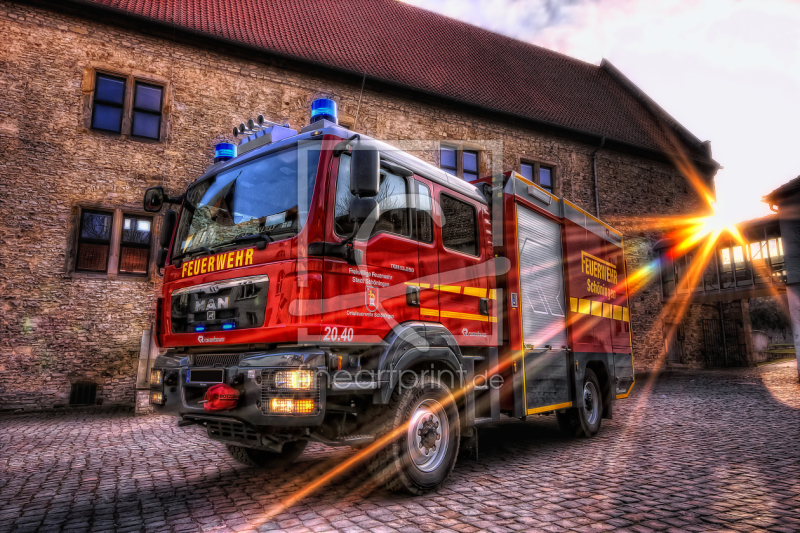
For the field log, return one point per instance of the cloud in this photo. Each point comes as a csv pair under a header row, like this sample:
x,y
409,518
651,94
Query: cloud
x,y
521,19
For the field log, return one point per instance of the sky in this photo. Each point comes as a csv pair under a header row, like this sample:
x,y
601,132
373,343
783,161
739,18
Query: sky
x,y
729,71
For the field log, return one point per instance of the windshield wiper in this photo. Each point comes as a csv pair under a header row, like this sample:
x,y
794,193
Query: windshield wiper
x,y
261,237
176,261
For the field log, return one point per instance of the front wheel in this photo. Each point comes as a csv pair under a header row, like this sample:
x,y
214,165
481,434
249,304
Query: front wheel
x,y
424,432
584,419
266,459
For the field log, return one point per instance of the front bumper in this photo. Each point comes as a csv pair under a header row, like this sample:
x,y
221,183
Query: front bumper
x,y
253,376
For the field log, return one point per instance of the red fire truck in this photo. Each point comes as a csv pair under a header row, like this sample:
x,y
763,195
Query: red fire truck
x,y
325,286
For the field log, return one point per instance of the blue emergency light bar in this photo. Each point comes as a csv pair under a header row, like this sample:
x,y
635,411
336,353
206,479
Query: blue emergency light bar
x,y
324,109
224,152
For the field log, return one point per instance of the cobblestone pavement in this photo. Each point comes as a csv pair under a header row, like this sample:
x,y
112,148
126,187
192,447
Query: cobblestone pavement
x,y
712,450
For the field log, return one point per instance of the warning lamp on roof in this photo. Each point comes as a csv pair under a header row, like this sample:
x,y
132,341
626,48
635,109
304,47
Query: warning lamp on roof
x,y
324,109
224,152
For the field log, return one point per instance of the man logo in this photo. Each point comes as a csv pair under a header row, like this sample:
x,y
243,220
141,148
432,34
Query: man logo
x,y
210,315
371,297
209,304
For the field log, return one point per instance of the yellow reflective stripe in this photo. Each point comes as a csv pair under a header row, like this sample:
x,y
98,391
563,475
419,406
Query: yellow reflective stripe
x,y
453,314
456,289
601,309
467,316
448,288
475,291
549,408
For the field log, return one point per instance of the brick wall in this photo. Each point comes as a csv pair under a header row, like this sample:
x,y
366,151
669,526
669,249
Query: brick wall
x,y
58,328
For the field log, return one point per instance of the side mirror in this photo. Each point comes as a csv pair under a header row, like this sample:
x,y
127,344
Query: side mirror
x,y
161,258
365,171
362,209
167,227
154,199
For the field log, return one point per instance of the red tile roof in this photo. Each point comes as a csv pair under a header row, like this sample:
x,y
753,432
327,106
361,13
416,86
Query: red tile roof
x,y
405,45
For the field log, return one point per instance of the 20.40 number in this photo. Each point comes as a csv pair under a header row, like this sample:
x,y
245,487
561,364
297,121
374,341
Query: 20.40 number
x,y
332,334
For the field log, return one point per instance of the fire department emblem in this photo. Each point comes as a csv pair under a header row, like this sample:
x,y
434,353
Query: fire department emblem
x,y
371,298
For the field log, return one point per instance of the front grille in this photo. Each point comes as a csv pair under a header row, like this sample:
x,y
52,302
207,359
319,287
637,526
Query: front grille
x,y
217,360
235,304
270,392
231,431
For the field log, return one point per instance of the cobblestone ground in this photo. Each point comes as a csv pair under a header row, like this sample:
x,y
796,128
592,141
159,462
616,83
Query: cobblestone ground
x,y
716,450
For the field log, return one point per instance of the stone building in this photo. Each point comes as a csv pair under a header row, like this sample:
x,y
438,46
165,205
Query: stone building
x,y
103,98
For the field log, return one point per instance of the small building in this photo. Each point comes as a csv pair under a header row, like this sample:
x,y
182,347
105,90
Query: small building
x,y
103,98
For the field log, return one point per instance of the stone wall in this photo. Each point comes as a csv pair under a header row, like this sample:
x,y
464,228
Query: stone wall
x,y
58,327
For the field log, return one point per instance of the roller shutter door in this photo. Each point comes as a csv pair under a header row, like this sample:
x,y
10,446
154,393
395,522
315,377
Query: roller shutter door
x,y
542,281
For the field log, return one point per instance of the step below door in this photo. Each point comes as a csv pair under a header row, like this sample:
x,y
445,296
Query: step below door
x,y
544,328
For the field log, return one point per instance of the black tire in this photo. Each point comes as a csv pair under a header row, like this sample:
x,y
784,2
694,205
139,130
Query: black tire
x,y
584,419
266,459
428,409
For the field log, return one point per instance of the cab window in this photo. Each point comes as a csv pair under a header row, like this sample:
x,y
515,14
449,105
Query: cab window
x,y
392,199
459,225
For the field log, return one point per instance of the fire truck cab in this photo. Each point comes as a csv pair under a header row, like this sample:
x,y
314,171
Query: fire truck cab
x,y
324,286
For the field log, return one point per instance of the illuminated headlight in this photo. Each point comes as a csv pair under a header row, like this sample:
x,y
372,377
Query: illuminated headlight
x,y
294,379
283,405
156,397
156,377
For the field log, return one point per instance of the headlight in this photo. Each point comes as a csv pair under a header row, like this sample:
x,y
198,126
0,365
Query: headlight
x,y
156,377
294,379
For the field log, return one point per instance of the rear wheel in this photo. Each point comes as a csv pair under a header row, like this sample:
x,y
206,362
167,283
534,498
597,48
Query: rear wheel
x,y
584,419
266,459
423,420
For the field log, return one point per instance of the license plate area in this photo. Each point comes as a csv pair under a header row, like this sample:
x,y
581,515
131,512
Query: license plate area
x,y
206,375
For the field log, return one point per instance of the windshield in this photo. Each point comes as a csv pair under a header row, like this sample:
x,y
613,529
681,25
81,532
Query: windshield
x,y
267,196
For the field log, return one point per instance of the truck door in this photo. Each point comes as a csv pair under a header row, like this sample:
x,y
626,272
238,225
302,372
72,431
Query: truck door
x,y
463,288
542,311
365,301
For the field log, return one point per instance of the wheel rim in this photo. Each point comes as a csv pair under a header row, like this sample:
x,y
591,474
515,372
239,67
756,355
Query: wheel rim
x,y
591,402
428,435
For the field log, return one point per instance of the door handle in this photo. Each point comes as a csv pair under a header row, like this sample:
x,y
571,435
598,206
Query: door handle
x,y
412,296
484,305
